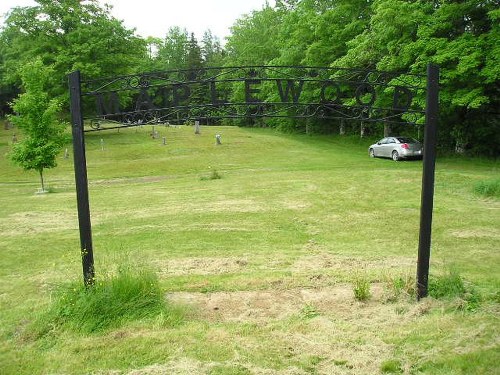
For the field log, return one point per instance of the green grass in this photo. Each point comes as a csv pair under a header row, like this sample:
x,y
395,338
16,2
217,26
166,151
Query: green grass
x,y
488,188
130,294
251,272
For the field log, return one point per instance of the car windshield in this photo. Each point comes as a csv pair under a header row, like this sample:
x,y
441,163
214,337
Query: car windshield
x,y
406,140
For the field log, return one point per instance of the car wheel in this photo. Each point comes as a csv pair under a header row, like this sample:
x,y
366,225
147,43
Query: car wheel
x,y
395,156
372,153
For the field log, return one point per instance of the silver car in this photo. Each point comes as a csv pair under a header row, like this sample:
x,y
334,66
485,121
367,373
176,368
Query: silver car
x,y
396,148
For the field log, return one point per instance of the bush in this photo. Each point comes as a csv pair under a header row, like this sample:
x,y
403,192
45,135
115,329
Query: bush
x,y
129,295
452,286
488,189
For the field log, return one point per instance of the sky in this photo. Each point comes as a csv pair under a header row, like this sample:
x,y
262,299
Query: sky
x,y
154,17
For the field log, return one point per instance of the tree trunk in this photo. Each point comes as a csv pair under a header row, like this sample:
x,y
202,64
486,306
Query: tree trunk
x,y
41,180
362,130
387,130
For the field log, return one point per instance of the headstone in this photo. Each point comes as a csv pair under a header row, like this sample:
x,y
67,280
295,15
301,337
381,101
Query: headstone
x,y
218,139
164,141
102,144
197,127
14,138
66,154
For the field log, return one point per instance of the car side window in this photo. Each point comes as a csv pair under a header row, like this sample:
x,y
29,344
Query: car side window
x,y
391,140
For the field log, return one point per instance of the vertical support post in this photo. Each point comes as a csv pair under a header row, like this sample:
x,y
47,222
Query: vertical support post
x,y
82,191
429,163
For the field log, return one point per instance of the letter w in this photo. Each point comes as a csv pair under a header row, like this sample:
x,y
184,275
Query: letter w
x,y
290,88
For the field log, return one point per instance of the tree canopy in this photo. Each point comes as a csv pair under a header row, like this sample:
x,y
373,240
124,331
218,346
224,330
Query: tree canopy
x,y
462,37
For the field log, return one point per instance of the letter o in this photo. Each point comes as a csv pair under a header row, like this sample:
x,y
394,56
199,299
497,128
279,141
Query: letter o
x,y
336,92
364,89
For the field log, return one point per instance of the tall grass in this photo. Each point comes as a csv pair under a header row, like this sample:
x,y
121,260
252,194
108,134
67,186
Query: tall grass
x,y
488,188
113,301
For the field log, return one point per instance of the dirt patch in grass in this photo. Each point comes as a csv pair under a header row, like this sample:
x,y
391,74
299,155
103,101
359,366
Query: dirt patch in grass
x,y
325,261
326,324
26,223
202,266
189,366
264,305
477,233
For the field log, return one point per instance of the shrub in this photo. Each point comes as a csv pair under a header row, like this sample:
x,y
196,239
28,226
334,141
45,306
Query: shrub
x,y
129,295
488,189
450,285
453,286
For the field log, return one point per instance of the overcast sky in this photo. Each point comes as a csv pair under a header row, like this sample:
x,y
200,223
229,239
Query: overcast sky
x,y
154,17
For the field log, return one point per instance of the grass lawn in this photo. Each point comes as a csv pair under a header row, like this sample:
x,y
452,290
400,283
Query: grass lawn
x,y
263,262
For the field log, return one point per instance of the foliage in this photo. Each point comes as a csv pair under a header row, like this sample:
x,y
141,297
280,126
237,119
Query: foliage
x,y
213,175
392,35
37,117
309,311
391,366
253,38
116,299
452,285
488,188
69,35
361,288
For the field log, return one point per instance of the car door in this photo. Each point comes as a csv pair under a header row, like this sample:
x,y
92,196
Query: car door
x,y
379,149
386,147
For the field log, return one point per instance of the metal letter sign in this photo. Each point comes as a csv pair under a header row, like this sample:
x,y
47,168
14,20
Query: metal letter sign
x,y
211,94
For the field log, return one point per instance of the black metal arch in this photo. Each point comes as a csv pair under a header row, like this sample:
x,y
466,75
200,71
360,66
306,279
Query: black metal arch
x,y
216,93
251,92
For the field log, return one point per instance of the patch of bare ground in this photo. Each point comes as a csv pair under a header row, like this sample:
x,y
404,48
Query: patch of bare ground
x,y
263,306
477,233
324,260
129,180
316,264
32,222
324,323
201,266
188,366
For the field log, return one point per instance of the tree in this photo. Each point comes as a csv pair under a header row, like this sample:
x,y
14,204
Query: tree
x,y
172,54
211,49
37,118
253,38
462,38
68,35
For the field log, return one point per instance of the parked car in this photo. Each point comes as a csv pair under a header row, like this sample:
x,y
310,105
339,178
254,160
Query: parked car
x,y
396,148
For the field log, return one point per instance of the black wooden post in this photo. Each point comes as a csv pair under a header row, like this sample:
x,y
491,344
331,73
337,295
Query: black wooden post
x,y
429,163
82,190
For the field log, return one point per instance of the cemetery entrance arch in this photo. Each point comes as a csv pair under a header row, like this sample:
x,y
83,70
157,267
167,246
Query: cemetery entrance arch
x,y
251,93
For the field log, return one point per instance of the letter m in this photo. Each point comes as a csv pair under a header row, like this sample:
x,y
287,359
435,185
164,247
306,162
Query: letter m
x,y
110,106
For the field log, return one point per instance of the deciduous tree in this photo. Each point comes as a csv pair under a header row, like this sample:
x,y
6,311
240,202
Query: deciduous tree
x,y
37,116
